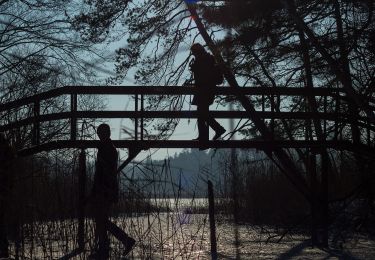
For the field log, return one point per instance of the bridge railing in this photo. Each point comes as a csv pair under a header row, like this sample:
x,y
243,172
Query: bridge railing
x,y
266,96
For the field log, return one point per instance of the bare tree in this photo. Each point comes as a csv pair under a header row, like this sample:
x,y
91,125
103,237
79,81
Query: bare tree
x,y
39,51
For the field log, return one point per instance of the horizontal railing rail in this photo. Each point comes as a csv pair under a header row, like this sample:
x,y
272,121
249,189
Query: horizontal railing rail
x,y
331,110
165,90
342,117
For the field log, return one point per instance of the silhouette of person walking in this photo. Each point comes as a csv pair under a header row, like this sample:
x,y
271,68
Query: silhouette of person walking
x,y
105,194
202,67
6,161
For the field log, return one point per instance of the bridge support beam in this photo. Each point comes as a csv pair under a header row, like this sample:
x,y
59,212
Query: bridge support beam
x,y
132,153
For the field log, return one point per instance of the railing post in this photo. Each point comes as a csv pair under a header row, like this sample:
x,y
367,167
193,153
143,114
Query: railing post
x,y
307,120
211,216
325,120
263,105
272,118
81,199
136,119
36,125
142,109
73,118
368,133
337,111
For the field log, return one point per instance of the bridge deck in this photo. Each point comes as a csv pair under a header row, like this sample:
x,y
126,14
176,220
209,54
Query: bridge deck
x,y
244,144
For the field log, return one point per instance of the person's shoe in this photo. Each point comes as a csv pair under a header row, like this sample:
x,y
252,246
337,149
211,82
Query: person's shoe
x,y
129,244
218,134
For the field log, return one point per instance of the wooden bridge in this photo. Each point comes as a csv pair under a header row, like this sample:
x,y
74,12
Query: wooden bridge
x,y
333,118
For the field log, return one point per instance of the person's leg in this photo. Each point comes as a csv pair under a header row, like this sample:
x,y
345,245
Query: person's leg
x,y
120,235
101,220
117,232
215,125
219,129
202,109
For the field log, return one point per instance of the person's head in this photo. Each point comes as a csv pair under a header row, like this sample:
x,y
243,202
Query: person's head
x,y
197,50
104,132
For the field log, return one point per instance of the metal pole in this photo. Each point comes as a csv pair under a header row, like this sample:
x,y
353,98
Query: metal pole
x,y
211,215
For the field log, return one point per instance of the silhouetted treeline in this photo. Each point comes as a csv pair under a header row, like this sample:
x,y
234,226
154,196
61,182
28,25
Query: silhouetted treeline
x,y
264,196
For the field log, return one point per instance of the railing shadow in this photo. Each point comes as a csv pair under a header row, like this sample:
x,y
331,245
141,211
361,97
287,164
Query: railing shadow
x,y
72,254
297,250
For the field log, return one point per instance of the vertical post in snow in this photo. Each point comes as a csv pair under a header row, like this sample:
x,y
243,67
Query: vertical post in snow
x,y
81,198
211,216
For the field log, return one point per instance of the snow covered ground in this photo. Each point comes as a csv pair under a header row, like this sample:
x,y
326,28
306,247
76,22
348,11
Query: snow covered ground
x,y
177,235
